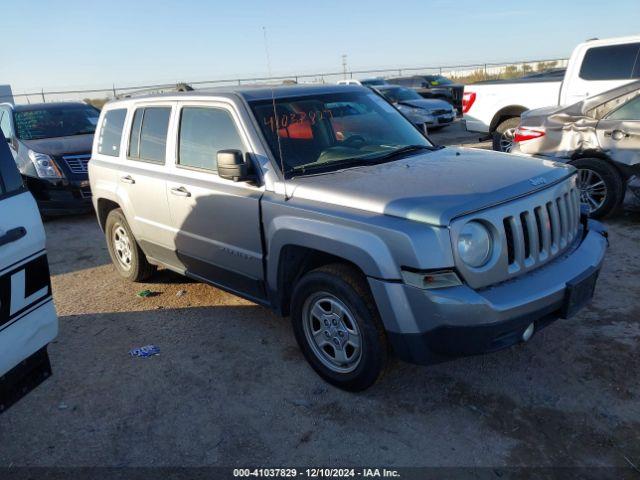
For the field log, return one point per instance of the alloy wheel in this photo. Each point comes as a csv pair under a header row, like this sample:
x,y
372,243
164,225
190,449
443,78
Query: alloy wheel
x,y
332,332
506,140
122,246
593,190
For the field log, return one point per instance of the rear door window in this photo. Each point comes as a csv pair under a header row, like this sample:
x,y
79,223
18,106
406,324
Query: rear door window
x,y
111,132
613,62
10,179
628,111
149,134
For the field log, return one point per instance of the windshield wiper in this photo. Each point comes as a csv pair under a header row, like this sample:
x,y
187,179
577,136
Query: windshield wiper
x,y
81,132
399,152
370,159
345,162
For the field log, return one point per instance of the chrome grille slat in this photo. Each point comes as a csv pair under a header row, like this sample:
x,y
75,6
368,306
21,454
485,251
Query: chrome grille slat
x,y
564,228
78,164
530,231
546,232
518,241
555,226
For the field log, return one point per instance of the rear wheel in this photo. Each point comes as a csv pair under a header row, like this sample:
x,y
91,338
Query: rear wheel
x,y
127,256
338,328
504,134
601,186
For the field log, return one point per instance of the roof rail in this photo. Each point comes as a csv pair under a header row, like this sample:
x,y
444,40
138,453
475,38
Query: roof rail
x,y
178,87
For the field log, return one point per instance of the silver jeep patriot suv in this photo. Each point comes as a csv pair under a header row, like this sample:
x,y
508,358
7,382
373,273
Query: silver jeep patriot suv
x,y
325,204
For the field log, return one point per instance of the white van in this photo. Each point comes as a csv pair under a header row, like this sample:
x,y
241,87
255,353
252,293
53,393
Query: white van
x,y
28,320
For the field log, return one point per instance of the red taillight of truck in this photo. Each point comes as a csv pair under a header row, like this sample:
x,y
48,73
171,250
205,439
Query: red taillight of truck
x,y
467,101
522,134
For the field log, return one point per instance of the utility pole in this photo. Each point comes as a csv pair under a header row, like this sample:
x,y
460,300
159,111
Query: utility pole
x,y
344,65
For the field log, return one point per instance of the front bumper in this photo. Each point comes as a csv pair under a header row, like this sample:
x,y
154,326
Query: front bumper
x,y
430,326
60,197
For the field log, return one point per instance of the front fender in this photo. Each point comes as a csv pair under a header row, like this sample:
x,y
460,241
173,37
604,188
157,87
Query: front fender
x,y
364,249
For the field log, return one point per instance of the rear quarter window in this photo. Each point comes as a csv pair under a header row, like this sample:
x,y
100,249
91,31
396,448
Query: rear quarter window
x,y
613,62
111,132
10,179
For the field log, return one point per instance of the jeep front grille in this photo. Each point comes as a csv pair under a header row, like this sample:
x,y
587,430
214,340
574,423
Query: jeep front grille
x,y
77,163
527,232
542,231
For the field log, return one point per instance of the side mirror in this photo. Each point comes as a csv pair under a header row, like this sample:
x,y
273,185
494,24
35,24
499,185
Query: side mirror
x,y
232,166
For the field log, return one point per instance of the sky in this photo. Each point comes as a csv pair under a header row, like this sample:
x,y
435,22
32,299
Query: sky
x,y
56,44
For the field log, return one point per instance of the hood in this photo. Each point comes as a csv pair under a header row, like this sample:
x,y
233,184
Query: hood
x,y
432,187
427,104
59,146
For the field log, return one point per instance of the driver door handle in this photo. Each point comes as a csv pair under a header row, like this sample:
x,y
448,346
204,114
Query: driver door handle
x,y
12,235
127,179
180,192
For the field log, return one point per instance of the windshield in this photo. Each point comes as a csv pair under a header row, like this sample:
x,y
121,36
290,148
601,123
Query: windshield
x,y
56,121
400,94
436,80
373,82
332,131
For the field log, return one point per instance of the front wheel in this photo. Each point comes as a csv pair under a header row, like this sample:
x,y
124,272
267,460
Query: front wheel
x,y
338,328
504,135
601,186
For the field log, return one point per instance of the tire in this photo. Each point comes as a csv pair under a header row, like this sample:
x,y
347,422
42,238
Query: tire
x,y
118,234
340,289
596,171
503,135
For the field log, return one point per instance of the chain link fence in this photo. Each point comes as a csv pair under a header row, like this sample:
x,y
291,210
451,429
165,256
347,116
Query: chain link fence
x,y
460,73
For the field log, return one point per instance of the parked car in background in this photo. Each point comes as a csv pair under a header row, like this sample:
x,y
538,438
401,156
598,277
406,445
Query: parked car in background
x,y
325,204
367,82
600,136
51,144
431,113
433,86
494,107
28,321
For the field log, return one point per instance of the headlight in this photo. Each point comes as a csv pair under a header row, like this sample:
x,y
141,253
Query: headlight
x,y
474,244
44,165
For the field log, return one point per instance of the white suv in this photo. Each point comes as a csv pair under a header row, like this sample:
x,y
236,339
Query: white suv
x,y
28,320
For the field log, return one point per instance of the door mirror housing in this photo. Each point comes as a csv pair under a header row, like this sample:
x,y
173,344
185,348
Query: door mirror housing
x,y
232,166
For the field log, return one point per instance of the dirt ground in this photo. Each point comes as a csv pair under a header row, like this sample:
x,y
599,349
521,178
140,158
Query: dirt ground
x,y
231,388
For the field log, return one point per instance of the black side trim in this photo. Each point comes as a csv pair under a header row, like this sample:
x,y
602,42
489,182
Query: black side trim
x,y
233,282
23,378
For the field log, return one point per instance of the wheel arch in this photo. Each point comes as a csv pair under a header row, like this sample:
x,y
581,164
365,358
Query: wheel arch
x,y
303,245
104,207
505,113
625,173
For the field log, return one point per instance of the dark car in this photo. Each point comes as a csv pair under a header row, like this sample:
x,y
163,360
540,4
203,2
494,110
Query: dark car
x,y
433,86
432,113
51,144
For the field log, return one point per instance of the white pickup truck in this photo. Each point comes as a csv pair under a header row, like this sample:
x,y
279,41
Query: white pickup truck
x,y
494,107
